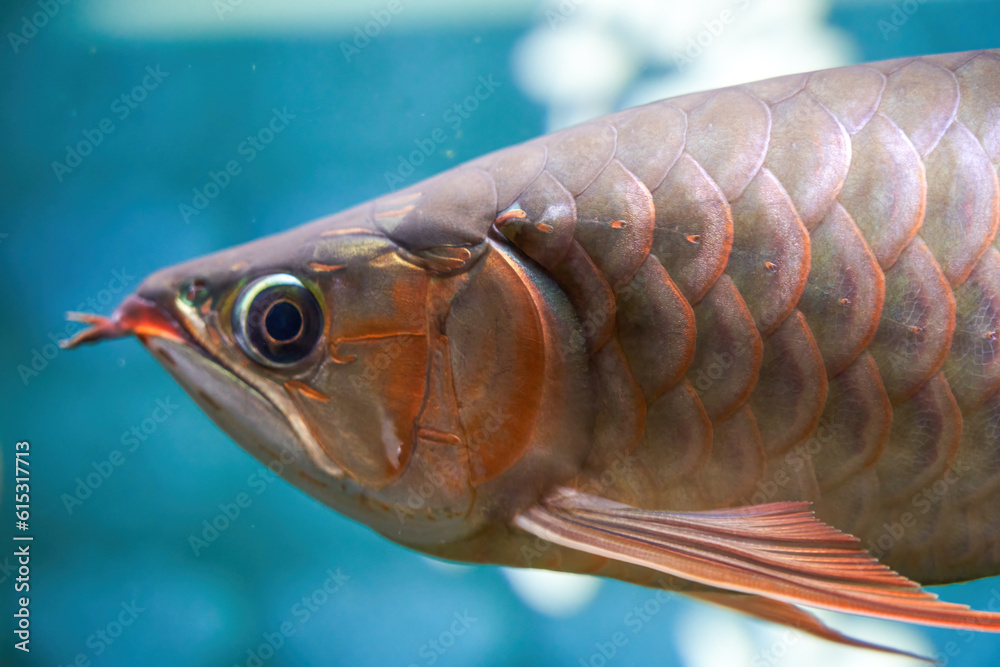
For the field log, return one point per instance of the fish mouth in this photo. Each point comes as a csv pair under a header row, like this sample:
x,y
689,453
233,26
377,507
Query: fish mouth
x,y
135,316
164,332
156,326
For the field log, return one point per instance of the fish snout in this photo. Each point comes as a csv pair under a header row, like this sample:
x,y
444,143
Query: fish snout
x,y
136,315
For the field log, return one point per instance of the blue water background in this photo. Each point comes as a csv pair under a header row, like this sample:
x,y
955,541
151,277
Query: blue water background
x,y
116,217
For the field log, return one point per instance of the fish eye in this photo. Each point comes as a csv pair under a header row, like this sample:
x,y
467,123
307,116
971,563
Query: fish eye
x,y
277,320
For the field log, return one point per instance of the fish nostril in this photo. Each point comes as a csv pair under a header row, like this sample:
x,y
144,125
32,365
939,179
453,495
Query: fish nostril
x,y
195,291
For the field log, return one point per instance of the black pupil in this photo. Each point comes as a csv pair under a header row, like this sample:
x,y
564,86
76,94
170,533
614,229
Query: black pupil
x,y
283,321
278,324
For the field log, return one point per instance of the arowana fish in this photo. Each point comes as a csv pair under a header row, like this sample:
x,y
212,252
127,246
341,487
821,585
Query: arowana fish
x,y
740,343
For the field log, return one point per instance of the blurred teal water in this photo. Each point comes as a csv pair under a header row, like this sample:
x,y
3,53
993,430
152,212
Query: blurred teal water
x,y
114,578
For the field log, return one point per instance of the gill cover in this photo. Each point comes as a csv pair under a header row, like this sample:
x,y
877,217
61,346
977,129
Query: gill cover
x,y
447,357
430,374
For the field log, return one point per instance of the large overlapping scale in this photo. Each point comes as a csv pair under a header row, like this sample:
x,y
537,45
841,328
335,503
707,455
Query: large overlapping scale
x,y
790,290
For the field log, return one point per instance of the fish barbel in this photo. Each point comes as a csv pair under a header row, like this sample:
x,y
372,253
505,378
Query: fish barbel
x,y
740,343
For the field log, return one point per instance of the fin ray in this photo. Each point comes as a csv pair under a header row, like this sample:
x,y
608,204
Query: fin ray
x,y
777,550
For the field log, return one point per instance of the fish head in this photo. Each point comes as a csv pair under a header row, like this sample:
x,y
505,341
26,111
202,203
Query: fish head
x,y
405,389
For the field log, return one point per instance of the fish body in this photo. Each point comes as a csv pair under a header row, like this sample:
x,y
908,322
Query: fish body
x,y
649,345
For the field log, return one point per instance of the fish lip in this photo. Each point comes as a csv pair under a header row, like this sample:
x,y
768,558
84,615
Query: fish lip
x,y
134,316
147,317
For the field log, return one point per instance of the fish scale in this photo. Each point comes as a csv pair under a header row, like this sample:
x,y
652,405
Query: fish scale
x,y
744,339
836,217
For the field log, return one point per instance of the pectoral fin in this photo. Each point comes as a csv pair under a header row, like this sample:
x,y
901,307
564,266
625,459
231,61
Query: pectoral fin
x,y
778,550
